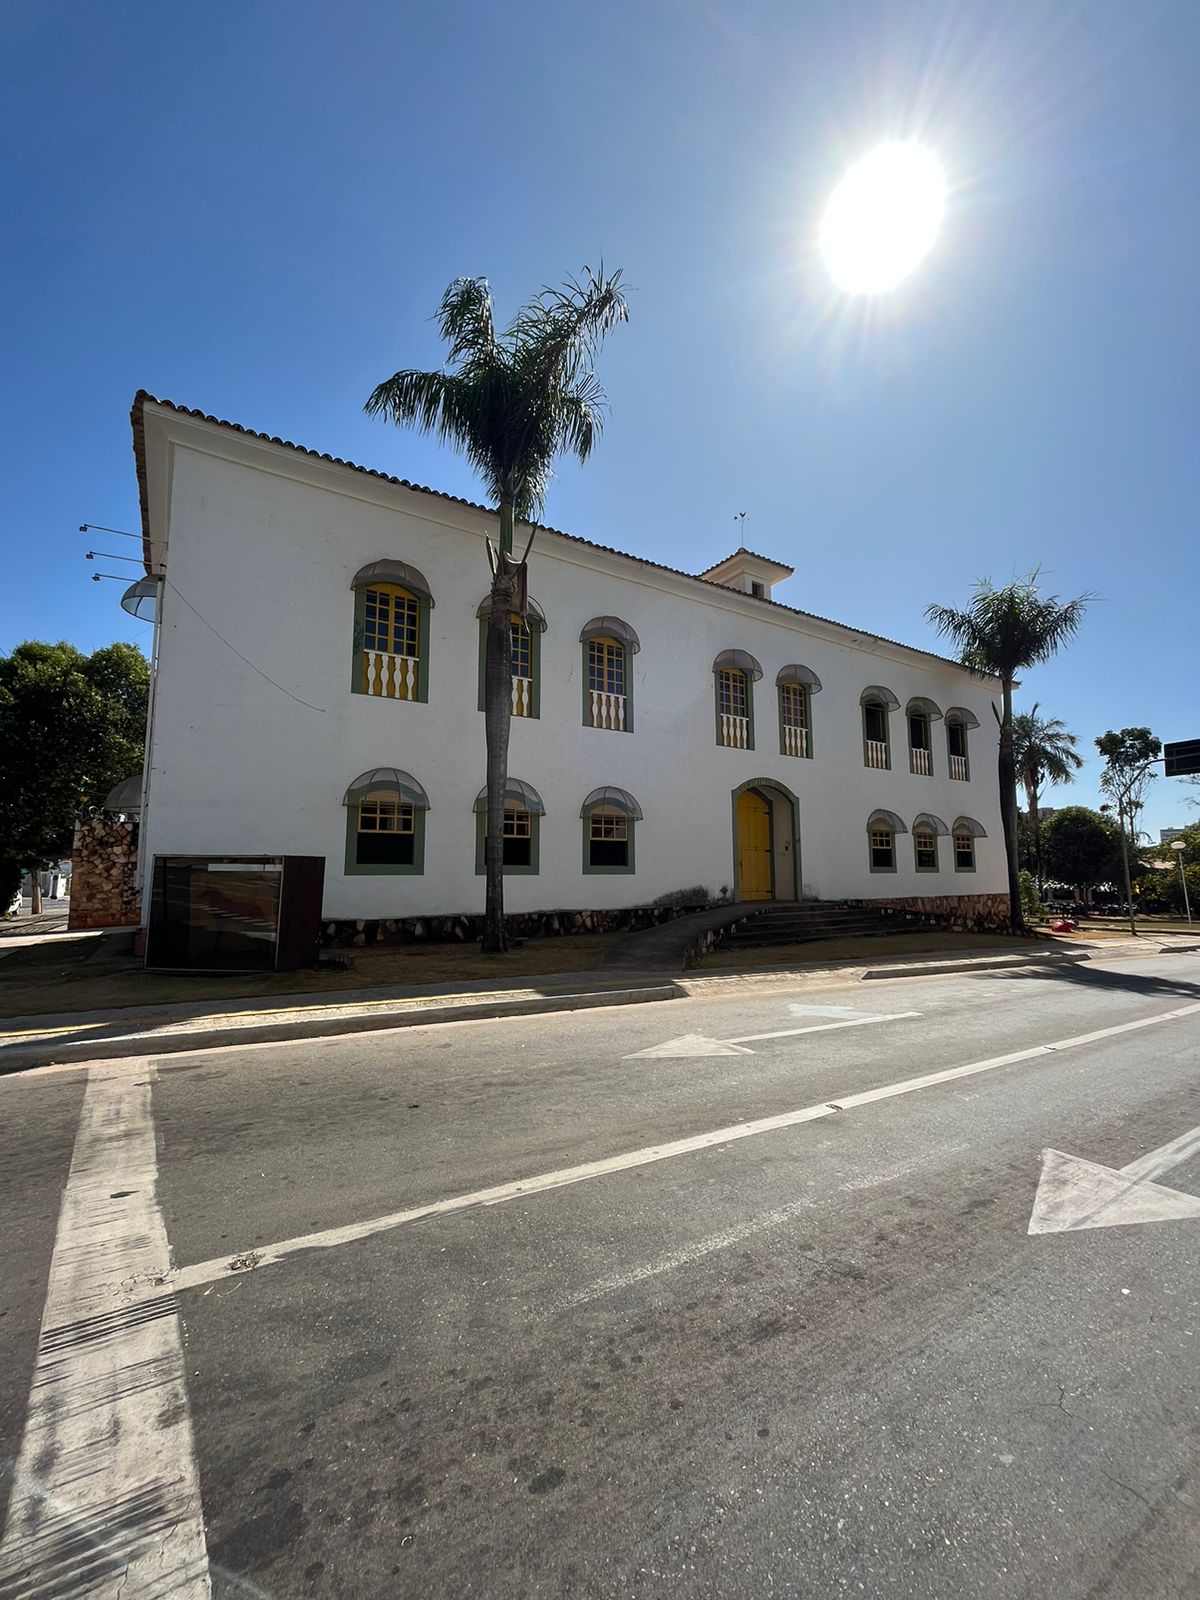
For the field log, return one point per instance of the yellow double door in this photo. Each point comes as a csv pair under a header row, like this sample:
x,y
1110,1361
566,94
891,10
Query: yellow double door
x,y
756,858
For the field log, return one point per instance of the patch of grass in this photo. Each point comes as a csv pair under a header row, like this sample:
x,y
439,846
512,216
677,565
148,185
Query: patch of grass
x,y
54,984
868,949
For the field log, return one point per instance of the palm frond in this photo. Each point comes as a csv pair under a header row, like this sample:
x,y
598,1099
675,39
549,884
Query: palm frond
x,y
465,321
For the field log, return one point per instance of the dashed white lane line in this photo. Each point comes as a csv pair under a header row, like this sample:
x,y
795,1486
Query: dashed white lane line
x,y
106,1499
328,1238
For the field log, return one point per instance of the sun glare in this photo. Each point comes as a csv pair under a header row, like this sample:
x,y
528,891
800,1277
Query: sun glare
x,y
883,217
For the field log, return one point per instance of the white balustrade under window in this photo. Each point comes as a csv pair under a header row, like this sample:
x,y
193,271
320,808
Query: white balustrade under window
x,y
795,740
958,767
522,697
922,763
735,731
608,710
393,676
877,753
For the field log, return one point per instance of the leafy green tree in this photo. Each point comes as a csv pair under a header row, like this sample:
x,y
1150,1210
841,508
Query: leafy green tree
x,y
1001,634
513,402
1128,762
71,726
1081,847
1044,752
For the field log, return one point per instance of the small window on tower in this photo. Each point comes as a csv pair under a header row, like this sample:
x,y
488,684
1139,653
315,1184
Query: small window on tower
x,y
757,589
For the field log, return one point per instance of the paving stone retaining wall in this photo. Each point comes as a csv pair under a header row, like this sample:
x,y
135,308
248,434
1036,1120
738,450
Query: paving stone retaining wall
x,y
465,928
104,875
969,913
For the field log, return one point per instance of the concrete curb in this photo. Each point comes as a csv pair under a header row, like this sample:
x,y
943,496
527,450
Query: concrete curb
x,y
23,1057
935,969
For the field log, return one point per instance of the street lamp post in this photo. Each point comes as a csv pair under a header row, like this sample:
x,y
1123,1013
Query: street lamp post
x,y
1179,847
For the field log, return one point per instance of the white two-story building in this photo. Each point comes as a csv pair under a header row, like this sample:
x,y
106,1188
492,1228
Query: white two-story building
x,y
317,691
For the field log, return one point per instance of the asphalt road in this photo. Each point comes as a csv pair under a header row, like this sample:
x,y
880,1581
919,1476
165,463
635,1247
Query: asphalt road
x,y
517,1310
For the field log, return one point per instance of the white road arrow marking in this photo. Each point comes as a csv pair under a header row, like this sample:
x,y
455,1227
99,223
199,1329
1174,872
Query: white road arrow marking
x,y
691,1044
1074,1194
698,1044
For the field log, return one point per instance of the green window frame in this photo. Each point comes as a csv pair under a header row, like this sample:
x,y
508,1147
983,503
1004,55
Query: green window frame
x,y
607,677
525,646
964,851
955,726
876,727
925,850
385,837
605,830
734,700
882,847
795,720
523,829
920,744
391,631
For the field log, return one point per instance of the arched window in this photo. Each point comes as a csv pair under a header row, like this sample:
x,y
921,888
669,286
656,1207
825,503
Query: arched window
x,y
877,702
385,823
525,649
921,713
796,686
965,831
392,603
927,830
882,828
734,674
609,818
958,723
523,812
609,646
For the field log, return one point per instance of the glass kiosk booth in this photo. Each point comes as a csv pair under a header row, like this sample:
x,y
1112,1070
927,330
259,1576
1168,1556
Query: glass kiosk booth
x,y
235,913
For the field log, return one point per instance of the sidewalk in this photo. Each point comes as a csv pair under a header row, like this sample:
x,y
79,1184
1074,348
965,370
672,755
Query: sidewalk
x,y
160,1029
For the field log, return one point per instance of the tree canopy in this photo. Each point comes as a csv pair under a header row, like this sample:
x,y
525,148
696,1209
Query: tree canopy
x,y
71,726
1081,847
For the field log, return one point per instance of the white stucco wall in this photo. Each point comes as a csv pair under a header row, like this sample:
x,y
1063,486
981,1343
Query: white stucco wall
x,y
263,544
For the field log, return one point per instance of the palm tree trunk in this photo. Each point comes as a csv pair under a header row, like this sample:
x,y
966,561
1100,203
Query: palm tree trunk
x,y
1035,824
1008,808
497,717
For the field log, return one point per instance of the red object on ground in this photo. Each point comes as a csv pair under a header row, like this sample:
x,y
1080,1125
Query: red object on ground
x,y
1063,925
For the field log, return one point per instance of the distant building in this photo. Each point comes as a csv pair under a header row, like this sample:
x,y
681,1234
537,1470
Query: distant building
x,y
1165,835
1046,811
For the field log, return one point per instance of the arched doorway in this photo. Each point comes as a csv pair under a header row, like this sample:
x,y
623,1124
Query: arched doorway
x,y
756,865
766,841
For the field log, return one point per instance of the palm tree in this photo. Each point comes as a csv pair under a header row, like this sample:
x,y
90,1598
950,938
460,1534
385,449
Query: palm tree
x,y
512,402
1044,752
1002,633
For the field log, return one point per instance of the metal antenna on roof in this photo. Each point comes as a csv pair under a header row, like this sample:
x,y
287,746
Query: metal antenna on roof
x,y
740,518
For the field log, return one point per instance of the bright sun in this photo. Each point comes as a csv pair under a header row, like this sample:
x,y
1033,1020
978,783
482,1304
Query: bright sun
x,y
883,217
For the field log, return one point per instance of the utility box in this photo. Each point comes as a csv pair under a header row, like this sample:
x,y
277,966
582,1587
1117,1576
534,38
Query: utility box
x,y
235,913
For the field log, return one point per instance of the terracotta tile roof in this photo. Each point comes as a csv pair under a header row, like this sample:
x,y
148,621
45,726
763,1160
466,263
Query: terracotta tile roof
x,y
137,420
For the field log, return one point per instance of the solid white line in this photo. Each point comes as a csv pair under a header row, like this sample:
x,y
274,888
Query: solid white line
x,y
210,1271
820,1027
207,1271
106,1499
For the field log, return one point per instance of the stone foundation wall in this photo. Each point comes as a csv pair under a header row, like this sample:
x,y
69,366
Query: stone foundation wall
x,y
465,928
969,913
104,875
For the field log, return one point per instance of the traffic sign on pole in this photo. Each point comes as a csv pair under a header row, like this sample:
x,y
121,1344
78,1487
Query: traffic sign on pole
x,y
1182,759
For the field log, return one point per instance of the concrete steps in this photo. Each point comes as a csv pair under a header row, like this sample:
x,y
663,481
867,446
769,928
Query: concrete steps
x,y
796,922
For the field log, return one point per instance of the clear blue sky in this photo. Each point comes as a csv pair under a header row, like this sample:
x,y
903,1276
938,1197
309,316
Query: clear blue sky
x,y
253,209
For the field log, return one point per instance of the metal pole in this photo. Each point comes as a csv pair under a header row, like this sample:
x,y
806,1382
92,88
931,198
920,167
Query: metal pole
x,y
1186,900
1125,864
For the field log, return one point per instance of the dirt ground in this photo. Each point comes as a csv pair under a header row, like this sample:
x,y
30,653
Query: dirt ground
x,y
83,974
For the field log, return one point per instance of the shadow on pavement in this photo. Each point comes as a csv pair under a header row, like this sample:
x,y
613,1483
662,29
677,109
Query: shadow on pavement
x,y
1084,976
